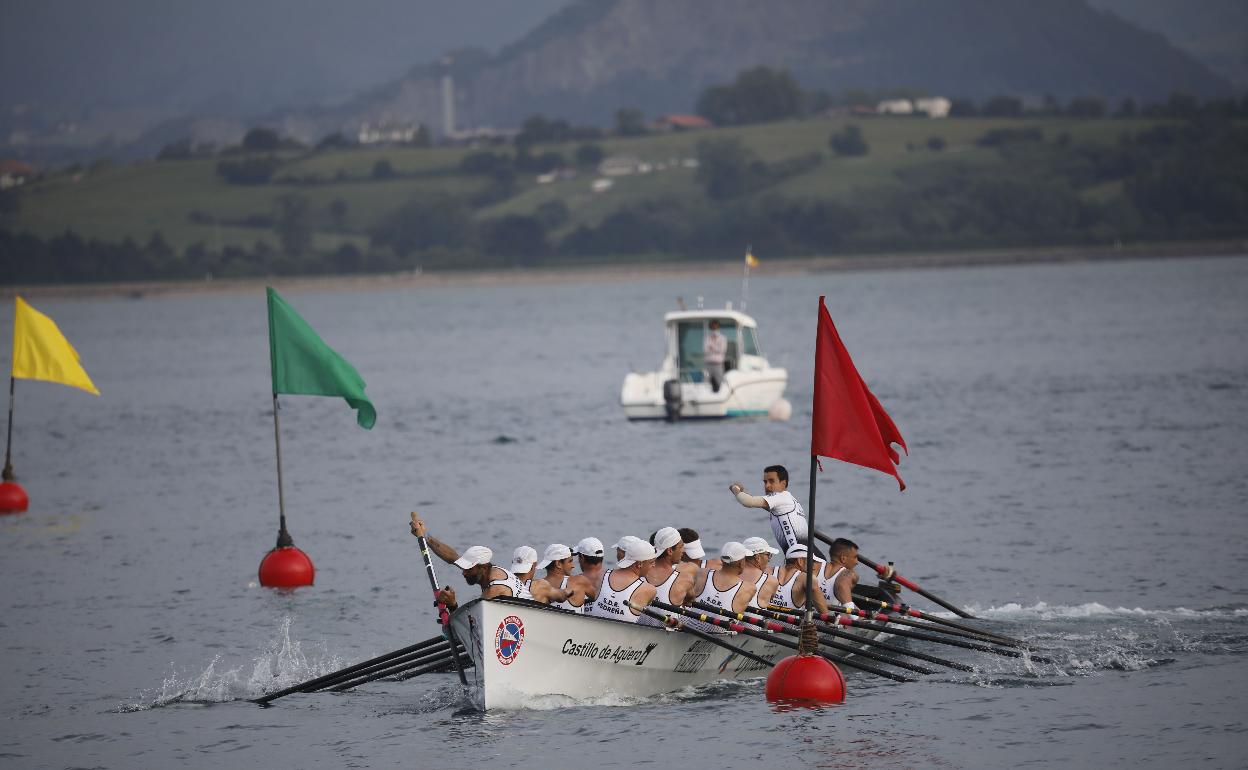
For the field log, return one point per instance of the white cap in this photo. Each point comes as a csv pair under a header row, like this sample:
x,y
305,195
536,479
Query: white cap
x,y
636,550
666,538
554,552
623,542
694,549
477,554
797,551
590,546
733,552
756,545
522,559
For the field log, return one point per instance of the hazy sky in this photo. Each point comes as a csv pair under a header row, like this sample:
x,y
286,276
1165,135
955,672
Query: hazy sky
x,y
254,53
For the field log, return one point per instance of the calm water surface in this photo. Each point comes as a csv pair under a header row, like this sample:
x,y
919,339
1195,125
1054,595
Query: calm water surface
x,y
1076,476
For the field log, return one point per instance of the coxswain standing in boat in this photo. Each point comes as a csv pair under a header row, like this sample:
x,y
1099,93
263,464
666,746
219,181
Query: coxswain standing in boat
x,y
838,588
792,578
524,567
757,570
589,553
625,586
558,563
694,553
725,587
671,577
788,520
477,568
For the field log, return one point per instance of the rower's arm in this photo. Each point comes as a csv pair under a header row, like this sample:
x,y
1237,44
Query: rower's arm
x,y
746,499
442,550
821,604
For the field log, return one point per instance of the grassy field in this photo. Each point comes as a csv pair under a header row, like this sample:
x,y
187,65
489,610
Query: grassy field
x,y
133,201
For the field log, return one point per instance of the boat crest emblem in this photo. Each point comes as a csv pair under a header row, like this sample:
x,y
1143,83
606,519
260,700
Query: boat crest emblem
x,y
508,638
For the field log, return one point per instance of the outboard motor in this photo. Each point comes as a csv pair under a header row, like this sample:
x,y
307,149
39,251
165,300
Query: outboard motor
x,y
671,399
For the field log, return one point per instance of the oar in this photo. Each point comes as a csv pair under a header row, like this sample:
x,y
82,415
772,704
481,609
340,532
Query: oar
x,y
314,683
440,653
408,671
768,625
781,641
845,619
444,616
889,574
674,623
906,609
885,617
794,619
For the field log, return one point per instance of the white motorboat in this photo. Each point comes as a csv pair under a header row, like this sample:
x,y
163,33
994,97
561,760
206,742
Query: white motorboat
x,y
523,650
680,389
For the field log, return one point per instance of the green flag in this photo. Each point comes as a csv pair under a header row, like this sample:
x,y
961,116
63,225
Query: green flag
x,y
303,364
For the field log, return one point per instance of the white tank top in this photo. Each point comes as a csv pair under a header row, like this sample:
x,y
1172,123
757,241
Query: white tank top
x,y
518,589
612,603
713,596
758,586
663,591
784,594
563,586
828,585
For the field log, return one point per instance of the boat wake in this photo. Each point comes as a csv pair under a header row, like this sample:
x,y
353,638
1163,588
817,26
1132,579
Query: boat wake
x,y
280,664
1046,611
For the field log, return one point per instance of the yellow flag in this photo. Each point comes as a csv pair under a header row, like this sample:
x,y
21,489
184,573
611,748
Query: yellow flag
x,y
41,352
750,259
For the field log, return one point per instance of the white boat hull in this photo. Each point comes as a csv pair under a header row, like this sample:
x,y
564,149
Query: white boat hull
x,y
742,394
522,651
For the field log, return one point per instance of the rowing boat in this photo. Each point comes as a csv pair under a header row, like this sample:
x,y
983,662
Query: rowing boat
x,y
522,650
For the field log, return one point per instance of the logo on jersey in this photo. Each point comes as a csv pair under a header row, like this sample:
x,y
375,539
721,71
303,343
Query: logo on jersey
x,y
508,638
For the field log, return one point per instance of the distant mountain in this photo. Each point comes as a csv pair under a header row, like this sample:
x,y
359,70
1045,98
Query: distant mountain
x,y
595,56
1214,31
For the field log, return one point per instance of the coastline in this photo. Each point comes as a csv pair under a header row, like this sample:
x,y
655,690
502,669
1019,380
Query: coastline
x,y
628,271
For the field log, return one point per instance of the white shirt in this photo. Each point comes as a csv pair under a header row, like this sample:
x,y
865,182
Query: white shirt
x,y
714,348
788,520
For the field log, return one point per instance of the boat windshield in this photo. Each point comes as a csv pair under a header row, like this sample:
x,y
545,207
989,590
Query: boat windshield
x,y
749,342
692,335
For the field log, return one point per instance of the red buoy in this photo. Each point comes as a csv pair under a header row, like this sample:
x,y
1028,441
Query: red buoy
x,y
286,567
13,498
805,680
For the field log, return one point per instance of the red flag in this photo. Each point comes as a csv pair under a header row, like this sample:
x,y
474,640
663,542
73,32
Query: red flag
x,y
849,423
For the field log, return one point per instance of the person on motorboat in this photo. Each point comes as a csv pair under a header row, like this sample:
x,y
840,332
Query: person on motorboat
x,y
724,587
671,577
714,350
838,588
476,565
757,570
788,519
558,563
589,553
694,553
524,567
792,578
624,588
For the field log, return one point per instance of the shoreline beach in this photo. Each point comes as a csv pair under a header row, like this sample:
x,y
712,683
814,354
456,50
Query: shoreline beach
x,y
563,274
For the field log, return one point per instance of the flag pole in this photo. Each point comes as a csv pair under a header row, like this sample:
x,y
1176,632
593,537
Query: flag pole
x,y
8,445
810,545
745,278
284,539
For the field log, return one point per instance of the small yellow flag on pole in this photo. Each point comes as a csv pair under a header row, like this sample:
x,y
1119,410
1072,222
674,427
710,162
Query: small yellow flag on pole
x,y
41,352
750,259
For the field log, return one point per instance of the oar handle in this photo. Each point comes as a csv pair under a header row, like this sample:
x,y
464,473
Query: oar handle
x,y
888,573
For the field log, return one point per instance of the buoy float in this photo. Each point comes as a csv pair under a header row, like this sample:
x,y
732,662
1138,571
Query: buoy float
x,y
780,410
286,567
13,498
805,680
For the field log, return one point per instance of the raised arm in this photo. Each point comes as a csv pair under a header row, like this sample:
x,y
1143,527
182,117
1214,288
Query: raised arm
x,y
745,498
440,549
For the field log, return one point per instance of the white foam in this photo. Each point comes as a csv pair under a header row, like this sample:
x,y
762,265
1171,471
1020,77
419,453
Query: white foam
x,y
1046,611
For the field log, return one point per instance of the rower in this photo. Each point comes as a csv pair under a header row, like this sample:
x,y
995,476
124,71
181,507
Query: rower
x,y
671,577
557,561
839,587
792,590
724,587
476,565
757,570
693,550
523,566
625,586
589,553
788,520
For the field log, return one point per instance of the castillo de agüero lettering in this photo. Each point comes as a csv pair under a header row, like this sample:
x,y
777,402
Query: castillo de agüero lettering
x,y
621,654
